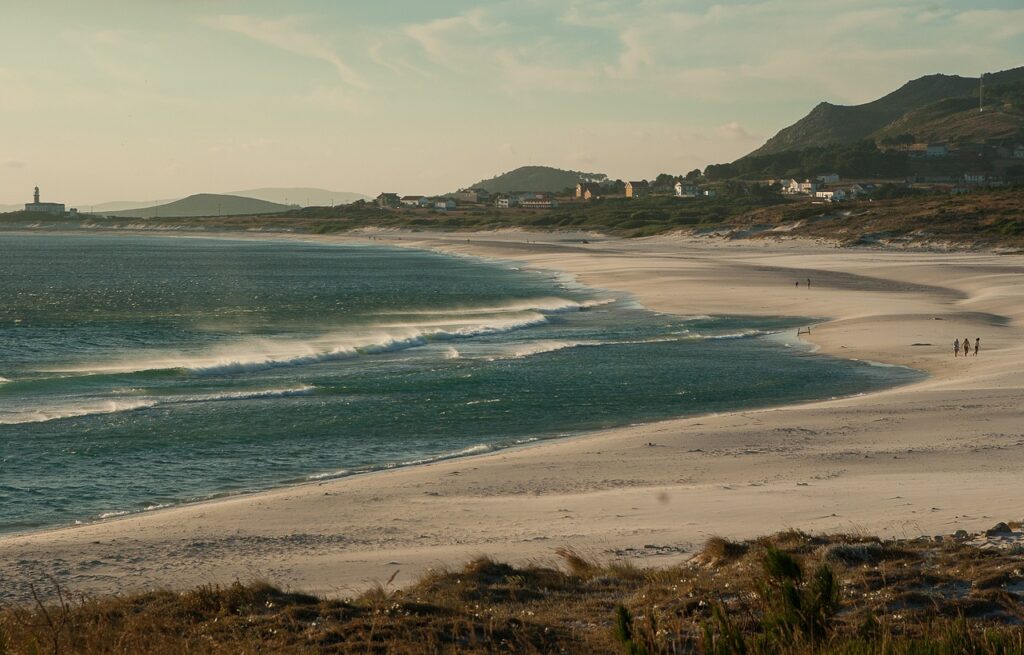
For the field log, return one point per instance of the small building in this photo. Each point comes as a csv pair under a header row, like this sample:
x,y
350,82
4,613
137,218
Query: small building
x,y
637,189
686,190
506,202
54,208
936,150
388,200
415,201
709,193
795,187
472,196
537,201
588,191
444,204
828,178
837,195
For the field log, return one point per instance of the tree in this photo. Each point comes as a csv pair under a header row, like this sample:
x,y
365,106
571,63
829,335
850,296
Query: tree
x,y
693,175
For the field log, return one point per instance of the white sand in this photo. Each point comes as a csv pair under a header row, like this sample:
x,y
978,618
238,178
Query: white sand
x,y
931,458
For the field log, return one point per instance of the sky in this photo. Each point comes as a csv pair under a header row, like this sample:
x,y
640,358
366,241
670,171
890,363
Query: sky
x,y
104,100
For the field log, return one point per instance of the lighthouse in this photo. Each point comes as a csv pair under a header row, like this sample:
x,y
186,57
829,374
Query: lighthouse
x,y
55,208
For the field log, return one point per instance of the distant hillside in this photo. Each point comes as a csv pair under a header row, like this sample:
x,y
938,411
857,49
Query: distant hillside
x,y
206,204
919,105
303,196
536,178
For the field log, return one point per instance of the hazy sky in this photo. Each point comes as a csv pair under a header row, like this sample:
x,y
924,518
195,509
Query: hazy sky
x,y
143,99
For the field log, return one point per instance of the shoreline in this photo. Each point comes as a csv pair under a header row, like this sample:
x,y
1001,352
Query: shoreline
x,y
627,264
530,441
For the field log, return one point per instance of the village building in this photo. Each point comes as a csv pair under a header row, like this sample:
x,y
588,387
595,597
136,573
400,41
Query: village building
x,y
588,191
388,200
936,150
55,208
795,187
472,196
686,190
537,201
444,204
415,201
637,189
836,195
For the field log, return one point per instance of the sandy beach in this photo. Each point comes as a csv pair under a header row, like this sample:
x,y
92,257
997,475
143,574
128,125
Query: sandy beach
x,y
930,458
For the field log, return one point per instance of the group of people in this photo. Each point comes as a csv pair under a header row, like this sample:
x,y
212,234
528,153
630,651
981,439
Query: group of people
x,y
966,345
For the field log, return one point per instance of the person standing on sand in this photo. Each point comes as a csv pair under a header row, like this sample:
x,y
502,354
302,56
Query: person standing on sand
x,y
808,283
798,284
977,345
956,347
967,347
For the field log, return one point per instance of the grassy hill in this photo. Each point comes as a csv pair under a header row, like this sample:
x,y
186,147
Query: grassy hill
x,y
206,204
536,178
935,105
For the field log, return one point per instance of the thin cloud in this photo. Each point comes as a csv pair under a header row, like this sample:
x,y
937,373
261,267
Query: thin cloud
x,y
285,34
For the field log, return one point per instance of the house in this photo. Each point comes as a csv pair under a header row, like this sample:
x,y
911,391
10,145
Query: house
x,y
588,191
828,178
806,187
686,190
415,201
506,202
537,201
637,189
936,150
386,200
473,196
710,193
837,195
444,204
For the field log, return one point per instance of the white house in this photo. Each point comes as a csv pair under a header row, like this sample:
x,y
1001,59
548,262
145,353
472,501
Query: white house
x,y
806,187
710,193
838,195
505,202
828,178
537,201
415,201
685,190
444,204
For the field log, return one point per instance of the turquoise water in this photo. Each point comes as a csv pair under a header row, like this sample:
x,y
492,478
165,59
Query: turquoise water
x,y
142,372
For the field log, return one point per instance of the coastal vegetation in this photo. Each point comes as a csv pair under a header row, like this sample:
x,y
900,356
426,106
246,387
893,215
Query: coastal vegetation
x,y
791,593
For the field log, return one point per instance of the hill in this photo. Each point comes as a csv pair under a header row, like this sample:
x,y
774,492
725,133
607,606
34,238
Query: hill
x,y
919,105
536,178
205,204
302,196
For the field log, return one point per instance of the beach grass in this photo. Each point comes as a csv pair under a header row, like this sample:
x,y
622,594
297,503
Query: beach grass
x,y
791,593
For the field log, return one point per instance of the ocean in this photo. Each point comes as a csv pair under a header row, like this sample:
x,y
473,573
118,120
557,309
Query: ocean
x,y
140,372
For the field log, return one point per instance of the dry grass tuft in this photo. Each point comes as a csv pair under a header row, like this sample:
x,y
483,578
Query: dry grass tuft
x,y
718,551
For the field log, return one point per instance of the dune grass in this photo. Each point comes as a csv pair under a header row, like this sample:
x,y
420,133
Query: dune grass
x,y
788,594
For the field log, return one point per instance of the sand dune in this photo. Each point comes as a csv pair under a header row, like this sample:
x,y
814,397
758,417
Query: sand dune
x,y
930,458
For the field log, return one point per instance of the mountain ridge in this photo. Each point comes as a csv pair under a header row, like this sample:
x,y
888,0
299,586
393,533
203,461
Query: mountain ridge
x,y
829,124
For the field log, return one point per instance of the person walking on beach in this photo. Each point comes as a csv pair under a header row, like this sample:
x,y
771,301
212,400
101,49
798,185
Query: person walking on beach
x,y
798,284
967,347
808,283
977,345
956,347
